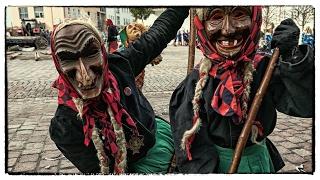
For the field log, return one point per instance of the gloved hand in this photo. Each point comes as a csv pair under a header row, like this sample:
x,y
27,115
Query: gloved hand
x,y
286,38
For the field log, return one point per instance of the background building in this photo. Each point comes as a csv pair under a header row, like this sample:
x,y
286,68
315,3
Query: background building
x,y
96,14
72,12
157,11
51,16
48,16
119,16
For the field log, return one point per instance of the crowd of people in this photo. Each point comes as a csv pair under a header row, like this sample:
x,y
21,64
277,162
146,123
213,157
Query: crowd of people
x,y
307,38
182,38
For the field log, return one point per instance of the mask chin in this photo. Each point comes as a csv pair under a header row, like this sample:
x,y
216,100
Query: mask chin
x,y
228,54
91,91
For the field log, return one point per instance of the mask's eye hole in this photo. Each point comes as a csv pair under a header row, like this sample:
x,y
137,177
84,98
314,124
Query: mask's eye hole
x,y
67,56
239,13
91,49
71,73
216,15
96,69
92,53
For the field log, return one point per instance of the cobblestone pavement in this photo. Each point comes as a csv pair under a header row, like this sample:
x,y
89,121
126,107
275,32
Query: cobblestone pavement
x,y
31,104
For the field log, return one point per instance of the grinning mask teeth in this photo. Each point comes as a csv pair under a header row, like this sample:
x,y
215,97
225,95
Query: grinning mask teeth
x,y
78,51
228,28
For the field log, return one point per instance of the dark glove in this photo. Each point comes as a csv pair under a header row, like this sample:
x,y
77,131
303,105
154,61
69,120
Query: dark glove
x,y
286,38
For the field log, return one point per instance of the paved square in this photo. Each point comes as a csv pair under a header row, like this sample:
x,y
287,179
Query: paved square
x,y
32,102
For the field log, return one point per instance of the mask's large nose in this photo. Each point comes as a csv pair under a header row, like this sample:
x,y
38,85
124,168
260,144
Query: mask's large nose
x,y
227,27
83,76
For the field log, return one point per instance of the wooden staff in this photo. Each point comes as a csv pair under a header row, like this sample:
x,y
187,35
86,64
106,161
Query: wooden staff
x,y
192,40
253,113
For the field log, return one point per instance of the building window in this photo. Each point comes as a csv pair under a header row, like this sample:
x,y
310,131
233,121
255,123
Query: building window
x,y
103,9
23,12
68,12
125,21
118,20
89,14
38,12
78,11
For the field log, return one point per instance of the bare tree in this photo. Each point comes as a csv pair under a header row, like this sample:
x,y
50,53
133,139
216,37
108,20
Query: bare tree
x,y
302,14
268,15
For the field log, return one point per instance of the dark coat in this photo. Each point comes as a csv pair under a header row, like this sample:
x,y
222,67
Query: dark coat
x,y
291,91
66,131
112,33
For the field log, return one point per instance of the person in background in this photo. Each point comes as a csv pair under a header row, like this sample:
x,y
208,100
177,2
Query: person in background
x,y
307,37
268,38
186,38
111,34
179,38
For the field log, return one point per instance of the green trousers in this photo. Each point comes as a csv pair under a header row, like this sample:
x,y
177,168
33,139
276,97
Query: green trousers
x,y
158,158
254,159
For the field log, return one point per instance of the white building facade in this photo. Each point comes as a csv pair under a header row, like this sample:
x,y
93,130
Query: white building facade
x,y
120,16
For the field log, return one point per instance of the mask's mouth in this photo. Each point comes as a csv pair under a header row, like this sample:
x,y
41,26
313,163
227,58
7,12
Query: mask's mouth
x,y
229,46
90,90
93,84
89,87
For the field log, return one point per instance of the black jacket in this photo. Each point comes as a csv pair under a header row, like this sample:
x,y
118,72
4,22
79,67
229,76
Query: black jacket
x,y
112,33
66,130
291,91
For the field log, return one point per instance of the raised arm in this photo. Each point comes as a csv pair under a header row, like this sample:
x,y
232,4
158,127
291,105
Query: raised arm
x,y
293,82
151,43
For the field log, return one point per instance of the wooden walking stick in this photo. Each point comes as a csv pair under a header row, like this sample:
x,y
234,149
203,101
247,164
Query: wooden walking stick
x,y
192,40
253,113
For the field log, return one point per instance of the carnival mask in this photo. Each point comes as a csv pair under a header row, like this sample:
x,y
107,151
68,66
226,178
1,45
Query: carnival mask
x,y
228,28
80,58
134,31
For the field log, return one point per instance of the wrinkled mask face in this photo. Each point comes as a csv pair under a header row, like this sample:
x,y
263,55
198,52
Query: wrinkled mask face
x,y
79,54
133,32
228,28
